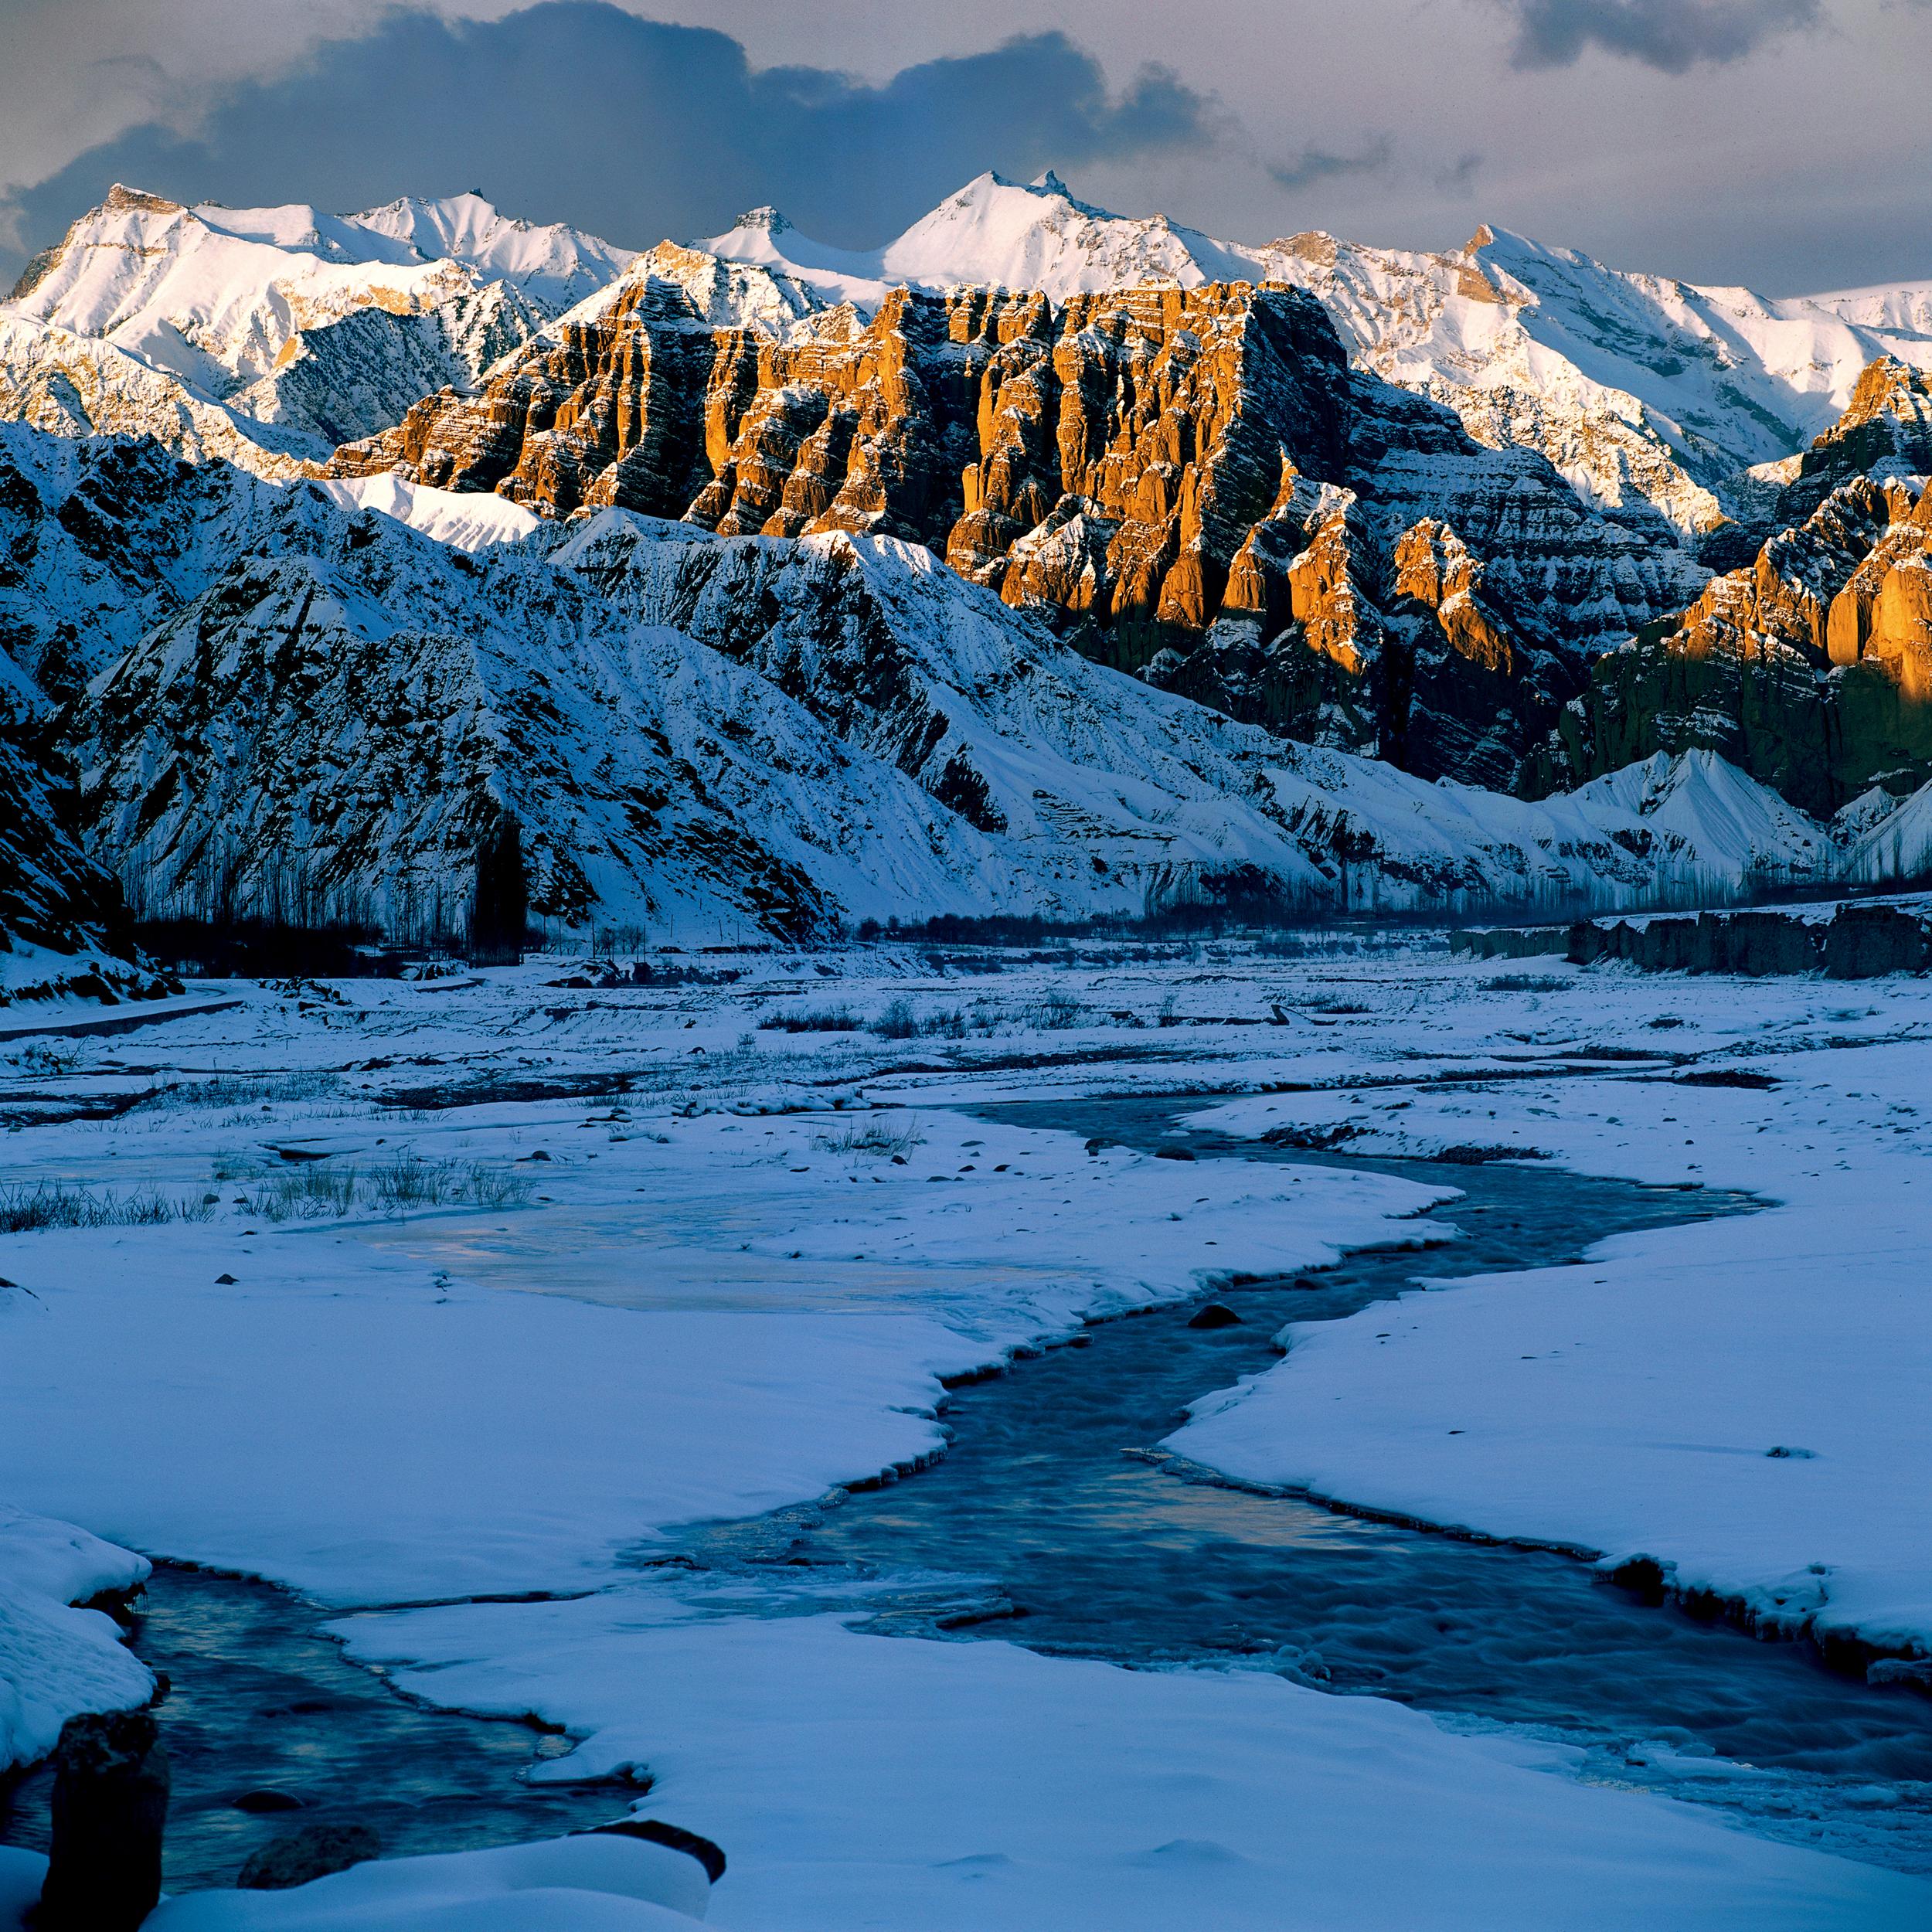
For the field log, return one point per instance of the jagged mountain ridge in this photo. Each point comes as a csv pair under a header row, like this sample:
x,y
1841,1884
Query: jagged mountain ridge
x,y
1812,670
302,330
1258,527
1143,466
784,734
1654,396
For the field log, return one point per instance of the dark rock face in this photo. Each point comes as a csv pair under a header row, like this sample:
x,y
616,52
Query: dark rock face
x,y
109,1810
311,1851
1812,670
1190,484
51,894
1512,942
1858,942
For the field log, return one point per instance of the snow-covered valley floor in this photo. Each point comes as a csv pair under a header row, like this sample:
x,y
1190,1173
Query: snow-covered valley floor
x,y
583,1269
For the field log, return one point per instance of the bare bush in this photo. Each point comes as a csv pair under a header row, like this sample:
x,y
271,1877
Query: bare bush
x,y
875,1137
826,1020
57,1204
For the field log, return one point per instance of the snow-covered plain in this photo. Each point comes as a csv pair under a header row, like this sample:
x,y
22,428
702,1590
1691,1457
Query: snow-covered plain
x,y
747,1255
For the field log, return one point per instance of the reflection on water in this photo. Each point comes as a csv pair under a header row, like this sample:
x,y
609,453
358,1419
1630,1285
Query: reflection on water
x,y
1090,1547
261,1703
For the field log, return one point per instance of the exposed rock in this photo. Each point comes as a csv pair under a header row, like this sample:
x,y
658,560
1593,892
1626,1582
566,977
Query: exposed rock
x,y
1888,420
310,1851
1812,670
1511,942
53,896
1164,474
776,735
110,1809
1857,942
1214,1314
1654,397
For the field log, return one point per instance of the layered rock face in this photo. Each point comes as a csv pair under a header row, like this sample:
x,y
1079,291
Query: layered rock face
x,y
347,717
1812,670
1192,482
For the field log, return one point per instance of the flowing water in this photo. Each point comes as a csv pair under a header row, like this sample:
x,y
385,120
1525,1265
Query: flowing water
x,y
1055,1522
267,1729
1069,1532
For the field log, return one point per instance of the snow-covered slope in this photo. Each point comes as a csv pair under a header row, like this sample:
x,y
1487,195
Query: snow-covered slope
x,y
1743,829
309,329
1651,395
770,734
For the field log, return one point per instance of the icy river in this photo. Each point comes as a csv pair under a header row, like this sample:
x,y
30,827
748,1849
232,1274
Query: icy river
x,y
1055,1522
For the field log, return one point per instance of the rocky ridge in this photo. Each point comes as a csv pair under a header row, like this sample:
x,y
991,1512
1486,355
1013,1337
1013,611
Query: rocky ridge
x,y
1153,469
1653,396
350,717
269,335
1812,668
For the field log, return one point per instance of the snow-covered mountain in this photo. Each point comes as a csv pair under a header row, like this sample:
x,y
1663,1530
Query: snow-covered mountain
x,y
775,734
1654,397
1194,481
1362,528
331,698
1812,668
302,330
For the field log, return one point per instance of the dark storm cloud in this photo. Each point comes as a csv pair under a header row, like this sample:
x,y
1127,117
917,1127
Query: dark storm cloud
x,y
577,111
1671,35
1314,165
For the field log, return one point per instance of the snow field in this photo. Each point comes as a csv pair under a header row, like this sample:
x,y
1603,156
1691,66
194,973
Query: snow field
x,y
867,1781
1743,1401
716,1310
57,1662
367,1413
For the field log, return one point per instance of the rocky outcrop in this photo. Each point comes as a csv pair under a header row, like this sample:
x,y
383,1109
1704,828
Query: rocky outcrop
x,y
1854,942
349,723
1887,423
1812,670
101,538
1164,474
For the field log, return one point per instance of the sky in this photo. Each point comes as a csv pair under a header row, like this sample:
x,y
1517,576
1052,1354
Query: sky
x,y
1779,143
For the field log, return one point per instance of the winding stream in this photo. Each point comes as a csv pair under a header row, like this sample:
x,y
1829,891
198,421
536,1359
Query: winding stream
x,y
1053,1522
1068,1537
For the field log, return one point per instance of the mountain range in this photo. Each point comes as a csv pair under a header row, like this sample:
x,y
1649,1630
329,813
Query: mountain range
x,y
1042,559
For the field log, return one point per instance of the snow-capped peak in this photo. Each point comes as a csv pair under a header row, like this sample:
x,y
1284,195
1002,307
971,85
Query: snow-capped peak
x,y
237,309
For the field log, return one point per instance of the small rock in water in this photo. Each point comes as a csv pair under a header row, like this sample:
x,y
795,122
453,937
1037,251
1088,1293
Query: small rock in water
x,y
268,1800
1174,1154
224,1280
312,1853
1216,1314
